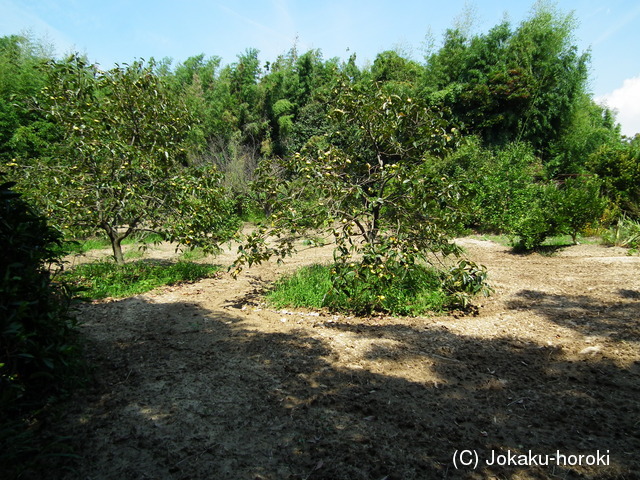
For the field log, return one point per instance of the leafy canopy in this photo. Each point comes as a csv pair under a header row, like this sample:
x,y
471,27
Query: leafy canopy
x,y
121,166
368,183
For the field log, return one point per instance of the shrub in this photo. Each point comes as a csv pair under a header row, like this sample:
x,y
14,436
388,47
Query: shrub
x,y
365,288
579,205
553,209
501,184
39,352
618,165
507,192
534,220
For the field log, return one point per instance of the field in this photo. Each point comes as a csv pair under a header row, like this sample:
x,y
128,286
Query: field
x,y
206,381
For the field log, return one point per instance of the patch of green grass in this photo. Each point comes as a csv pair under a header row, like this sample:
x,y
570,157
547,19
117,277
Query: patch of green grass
x,y
559,241
144,237
253,215
79,247
193,254
106,279
307,287
133,254
415,292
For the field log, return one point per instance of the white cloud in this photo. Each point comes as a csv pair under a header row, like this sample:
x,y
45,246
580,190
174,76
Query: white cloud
x,y
626,102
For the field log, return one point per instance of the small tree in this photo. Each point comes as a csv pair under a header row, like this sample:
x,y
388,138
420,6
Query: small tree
x,y
579,204
122,166
369,184
618,165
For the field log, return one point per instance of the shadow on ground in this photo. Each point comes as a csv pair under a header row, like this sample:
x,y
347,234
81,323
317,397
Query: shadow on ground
x,y
586,314
186,393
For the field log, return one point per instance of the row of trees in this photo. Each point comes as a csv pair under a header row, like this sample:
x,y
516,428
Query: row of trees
x,y
509,122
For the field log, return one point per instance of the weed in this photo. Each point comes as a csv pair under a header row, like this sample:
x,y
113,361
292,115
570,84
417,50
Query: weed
x,y
626,233
134,254
504,240
79,247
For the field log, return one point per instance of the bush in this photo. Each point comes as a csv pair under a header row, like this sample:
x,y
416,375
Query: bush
x,y
388,288
39,352
579,205
504,191
507,192
618,165
535,219
502,185
554,209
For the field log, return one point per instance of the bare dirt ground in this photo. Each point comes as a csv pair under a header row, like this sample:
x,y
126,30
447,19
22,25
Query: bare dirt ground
x,y
204,381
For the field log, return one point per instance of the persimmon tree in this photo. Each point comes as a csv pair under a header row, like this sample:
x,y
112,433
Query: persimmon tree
x,y
122,166
370,185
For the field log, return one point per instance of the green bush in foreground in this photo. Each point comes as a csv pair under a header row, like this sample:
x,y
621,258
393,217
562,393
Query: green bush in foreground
x,y
39,351
364,289
107,279
36,330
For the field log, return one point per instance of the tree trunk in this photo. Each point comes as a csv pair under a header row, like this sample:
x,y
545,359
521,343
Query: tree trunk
x,y
116,239
117,250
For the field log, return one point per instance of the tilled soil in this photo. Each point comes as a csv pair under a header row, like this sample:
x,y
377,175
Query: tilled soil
x,y
204,381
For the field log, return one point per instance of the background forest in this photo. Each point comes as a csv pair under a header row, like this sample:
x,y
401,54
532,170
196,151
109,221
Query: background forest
x,y
495,132
528,136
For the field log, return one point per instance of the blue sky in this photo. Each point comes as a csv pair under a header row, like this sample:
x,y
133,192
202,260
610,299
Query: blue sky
x,y
111,31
